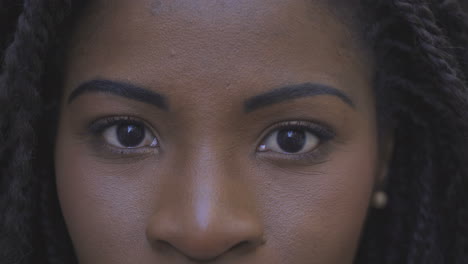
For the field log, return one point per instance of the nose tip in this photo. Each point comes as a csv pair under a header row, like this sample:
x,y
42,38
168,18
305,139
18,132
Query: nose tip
x,y
208,243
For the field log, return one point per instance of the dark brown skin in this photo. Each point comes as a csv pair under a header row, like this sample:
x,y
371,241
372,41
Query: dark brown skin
x,y
207,191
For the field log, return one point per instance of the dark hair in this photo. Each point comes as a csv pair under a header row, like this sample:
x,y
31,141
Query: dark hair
x,y
421,56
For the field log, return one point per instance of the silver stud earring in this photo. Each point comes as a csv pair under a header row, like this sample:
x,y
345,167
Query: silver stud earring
x,y
379,200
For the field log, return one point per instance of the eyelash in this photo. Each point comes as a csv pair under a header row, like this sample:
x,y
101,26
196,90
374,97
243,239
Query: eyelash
x,y
323,132
97,128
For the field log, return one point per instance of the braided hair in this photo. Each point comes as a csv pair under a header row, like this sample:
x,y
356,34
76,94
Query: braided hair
x,y
421,81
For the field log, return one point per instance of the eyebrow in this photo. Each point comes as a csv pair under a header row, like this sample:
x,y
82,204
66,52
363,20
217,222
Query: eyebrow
x,y
291,92
122,89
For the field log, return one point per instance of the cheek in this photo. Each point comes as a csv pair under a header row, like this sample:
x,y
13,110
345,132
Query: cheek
x,y
319,214
104,209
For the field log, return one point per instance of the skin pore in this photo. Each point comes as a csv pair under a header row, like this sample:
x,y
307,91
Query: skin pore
x,y
202,91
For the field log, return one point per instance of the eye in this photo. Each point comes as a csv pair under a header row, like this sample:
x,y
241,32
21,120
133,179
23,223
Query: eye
x,y
128,135
295,138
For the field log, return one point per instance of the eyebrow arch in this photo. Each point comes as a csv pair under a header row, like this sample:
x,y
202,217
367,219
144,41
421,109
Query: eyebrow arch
x,y
123,89
293,92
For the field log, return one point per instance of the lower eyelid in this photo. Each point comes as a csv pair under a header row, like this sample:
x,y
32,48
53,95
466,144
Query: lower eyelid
x,y
306,159
102,149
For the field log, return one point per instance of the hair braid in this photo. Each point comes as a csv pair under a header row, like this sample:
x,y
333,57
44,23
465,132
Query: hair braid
x,y
23,66
9,12
450,12
419,83
431,39
433,45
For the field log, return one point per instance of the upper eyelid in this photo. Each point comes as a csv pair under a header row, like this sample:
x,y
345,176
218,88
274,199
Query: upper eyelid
x,y
146,124
99,123
297,123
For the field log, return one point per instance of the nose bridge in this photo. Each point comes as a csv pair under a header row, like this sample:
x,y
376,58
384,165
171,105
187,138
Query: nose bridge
x,y
213,211
212,189
213,176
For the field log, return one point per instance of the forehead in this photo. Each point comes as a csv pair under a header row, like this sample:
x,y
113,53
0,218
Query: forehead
x,y
216,44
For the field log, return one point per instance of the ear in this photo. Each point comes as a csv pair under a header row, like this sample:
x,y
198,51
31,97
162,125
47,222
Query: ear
x,y
386,147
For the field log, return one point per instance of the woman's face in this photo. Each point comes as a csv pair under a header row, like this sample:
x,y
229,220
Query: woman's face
x,y
216,131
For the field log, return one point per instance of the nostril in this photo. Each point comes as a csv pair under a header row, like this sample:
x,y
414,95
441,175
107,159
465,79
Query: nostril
x,y
240,245
161,245
242,248
246,246
198,249
165,247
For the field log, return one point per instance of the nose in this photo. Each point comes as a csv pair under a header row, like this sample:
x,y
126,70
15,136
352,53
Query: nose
x,y
205,220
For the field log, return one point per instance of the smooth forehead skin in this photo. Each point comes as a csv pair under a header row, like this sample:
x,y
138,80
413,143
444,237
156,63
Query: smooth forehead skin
x,y
207,195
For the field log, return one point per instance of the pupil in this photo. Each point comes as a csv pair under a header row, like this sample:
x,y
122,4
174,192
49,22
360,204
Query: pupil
x,y
130,135
291,140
